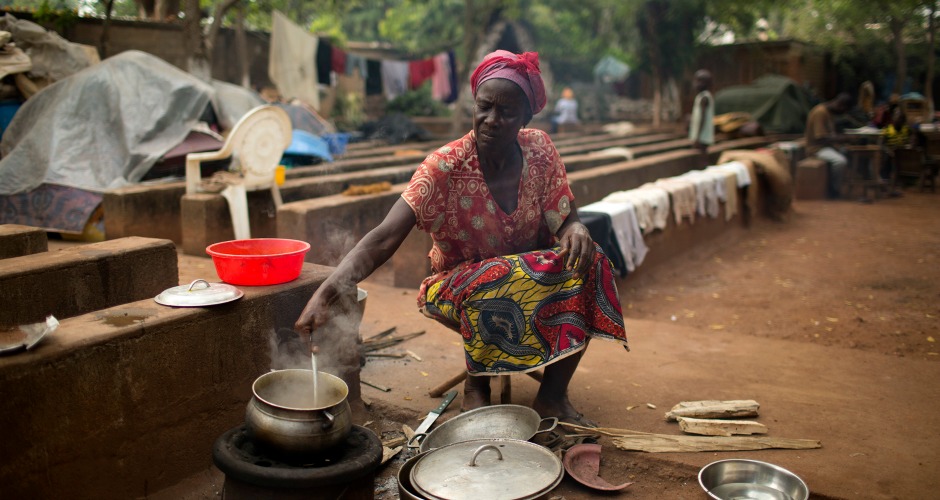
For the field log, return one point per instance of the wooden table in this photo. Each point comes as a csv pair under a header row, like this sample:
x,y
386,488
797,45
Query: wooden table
x,y
865,158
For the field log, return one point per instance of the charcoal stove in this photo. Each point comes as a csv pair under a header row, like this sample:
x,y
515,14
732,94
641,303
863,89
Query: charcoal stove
x,y
347,471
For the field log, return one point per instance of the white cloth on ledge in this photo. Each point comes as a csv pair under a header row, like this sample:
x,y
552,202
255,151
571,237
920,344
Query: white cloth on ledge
x,y
651,203
623,221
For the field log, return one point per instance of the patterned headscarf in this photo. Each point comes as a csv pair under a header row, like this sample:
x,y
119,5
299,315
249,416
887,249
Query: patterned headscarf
x,y
521,69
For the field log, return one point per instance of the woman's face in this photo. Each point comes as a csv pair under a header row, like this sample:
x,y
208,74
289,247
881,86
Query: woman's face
x,y
500,110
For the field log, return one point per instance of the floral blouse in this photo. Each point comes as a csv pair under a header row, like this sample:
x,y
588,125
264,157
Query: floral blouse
x,y
452,202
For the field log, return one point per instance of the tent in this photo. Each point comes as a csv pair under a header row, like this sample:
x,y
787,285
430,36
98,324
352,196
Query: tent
x,y
774,101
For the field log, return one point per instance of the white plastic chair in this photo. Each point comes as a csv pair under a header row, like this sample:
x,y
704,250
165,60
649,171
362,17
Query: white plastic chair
x,y
255,144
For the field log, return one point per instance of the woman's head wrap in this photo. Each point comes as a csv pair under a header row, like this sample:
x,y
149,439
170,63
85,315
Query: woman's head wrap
x,y
521,69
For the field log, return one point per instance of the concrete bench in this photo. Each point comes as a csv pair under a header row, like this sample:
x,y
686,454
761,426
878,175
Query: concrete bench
x,y
153,210
17,240
812,179
334,224
84,278
128,400
206,220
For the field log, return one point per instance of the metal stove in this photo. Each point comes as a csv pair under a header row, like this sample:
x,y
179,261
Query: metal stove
x,y
347,472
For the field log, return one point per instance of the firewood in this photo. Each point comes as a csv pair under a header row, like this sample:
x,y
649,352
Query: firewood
x,y
715,427
389,453
713,409
661,443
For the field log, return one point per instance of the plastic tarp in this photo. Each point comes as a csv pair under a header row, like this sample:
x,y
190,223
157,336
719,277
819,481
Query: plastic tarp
x,y
610,69
52,56
776,102
103,127
231,102
305,144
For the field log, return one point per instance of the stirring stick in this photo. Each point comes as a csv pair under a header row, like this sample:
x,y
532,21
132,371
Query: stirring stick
x,y
316,378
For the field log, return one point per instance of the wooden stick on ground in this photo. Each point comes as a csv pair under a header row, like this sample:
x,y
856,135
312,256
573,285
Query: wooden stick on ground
x,y
660,443
714,409
716,427
446,385
376,386
381,344
384,333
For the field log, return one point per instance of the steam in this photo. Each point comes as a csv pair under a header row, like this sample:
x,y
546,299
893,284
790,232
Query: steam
x,y
338,342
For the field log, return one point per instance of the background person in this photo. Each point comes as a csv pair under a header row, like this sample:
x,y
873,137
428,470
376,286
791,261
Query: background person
x,y
701,125
566,110
822,141
515,271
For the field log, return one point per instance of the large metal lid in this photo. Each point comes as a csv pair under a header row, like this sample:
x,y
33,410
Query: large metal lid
x,y
487,468
196,295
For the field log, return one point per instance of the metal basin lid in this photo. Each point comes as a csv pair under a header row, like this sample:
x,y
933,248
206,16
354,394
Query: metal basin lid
x,y
487,468
199,293
505,421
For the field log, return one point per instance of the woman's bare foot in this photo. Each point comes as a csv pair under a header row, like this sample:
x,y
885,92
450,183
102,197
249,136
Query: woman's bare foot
x,y
476,393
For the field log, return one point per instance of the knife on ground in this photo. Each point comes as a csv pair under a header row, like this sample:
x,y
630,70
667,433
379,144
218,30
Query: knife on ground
x,y
433,414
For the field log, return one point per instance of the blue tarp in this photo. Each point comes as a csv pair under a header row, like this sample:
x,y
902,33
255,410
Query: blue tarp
x,y
305,145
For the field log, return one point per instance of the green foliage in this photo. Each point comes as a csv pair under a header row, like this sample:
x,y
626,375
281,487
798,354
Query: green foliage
x,y
56,13
418,103
330,26
349,113
423,28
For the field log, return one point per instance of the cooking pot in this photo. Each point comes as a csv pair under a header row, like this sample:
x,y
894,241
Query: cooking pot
x,y
497,421
285,418
494,469
405,489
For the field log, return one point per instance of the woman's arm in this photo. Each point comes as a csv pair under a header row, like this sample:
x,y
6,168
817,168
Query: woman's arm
x,y
372,251
576,243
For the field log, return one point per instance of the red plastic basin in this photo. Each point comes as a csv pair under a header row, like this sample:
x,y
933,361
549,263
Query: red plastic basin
x,y
258,261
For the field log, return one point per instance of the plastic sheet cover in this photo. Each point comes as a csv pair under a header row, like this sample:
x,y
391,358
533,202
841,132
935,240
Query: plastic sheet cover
x,y
103,127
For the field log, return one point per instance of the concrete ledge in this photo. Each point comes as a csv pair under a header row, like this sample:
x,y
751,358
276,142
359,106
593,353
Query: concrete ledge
x,y
334,224
126,401
151,210
154,210
85,278
205,219
17,240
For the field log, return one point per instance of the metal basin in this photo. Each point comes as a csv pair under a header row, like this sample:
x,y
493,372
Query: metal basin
x,y
497,421
750,479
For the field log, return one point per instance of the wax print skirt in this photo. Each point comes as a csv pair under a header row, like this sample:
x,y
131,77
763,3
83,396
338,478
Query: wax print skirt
x,y
517,313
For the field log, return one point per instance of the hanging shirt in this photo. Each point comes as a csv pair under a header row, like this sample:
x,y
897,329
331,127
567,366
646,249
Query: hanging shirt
x,y
394,78
419,72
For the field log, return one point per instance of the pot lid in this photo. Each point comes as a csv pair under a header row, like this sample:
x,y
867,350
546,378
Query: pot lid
x,y
199,293
487,468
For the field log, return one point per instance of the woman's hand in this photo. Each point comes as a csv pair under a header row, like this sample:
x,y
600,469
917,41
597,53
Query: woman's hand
x,y
577,248
316,313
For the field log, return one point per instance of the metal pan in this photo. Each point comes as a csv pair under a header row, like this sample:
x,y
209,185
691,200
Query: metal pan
x,y
497,421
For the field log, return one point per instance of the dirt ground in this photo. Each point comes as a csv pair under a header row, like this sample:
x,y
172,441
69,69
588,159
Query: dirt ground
x,y
837,274
829,321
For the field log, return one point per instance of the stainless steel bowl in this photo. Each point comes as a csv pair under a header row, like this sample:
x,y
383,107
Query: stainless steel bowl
x,y
751,479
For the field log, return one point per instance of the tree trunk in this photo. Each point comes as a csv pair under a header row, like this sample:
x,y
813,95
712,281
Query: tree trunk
x,y
103,42
197,62
463,66
657,97
220,11
931,46
650,31
241,48
897,33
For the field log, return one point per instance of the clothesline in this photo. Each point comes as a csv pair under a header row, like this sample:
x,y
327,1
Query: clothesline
x,y
391,77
